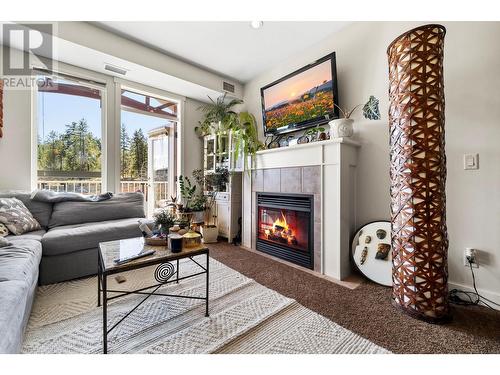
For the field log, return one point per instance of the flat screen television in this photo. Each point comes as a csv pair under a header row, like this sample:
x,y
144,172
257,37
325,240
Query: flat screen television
x,y
302,99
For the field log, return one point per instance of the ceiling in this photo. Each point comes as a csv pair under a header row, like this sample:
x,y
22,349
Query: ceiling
x,y
232,49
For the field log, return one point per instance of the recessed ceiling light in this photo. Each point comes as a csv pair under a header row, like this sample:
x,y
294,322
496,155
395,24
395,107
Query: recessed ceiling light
x,y
256,24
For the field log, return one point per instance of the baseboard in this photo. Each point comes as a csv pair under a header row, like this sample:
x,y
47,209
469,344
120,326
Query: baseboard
x,y
495,297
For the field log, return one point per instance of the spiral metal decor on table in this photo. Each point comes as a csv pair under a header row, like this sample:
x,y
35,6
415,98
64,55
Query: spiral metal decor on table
x,y
418,174
164,272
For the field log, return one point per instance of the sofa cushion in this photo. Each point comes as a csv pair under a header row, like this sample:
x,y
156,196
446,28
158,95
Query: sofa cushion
x,y
16,216
41,211
19,261
35,235
120,206
15,304
70,238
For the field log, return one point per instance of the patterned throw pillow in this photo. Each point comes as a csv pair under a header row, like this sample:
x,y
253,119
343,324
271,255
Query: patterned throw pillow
x,y
4,232
16,217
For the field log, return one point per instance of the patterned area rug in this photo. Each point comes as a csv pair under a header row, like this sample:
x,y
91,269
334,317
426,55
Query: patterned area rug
x,y
245,317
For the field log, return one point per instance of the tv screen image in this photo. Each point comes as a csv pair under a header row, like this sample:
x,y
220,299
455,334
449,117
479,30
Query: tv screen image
x,y
301,99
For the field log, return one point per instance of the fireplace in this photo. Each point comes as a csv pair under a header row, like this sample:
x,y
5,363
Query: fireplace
x,y
285,227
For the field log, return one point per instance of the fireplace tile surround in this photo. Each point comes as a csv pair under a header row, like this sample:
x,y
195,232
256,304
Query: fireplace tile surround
x,y
325,170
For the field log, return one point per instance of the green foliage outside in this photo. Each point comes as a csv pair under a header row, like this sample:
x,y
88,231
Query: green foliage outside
x,y
77,149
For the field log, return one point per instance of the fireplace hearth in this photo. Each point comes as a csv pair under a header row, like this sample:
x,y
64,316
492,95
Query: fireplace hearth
x,y
285,227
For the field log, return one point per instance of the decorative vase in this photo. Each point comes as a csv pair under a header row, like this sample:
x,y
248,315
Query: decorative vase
x,y
341,128
418,174
209,233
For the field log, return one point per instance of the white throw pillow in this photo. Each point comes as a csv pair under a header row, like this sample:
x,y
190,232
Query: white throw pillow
x,y
4,232
16,217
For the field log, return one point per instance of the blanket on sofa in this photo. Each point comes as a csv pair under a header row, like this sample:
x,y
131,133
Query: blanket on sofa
x,y
49,196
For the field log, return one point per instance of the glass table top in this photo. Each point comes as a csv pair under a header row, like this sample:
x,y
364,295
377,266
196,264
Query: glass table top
x,y
112,250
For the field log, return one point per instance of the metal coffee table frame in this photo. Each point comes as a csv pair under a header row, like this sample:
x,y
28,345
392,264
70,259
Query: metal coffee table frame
x,y
162,280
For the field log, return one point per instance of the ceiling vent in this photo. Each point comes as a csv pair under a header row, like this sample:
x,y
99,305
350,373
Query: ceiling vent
x,y
115,69
228,87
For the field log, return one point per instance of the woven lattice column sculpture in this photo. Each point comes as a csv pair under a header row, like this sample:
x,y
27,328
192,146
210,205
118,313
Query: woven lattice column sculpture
x,y
418,173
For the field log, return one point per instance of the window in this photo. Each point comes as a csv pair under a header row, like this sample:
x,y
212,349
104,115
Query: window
x,y
69,134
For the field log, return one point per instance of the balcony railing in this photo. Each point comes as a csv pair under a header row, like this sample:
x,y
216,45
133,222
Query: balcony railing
x,y
95,187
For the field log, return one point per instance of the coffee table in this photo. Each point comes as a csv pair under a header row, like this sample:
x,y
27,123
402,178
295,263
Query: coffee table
x,y
164,273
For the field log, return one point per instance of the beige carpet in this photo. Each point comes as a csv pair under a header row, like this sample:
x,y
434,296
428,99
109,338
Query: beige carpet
x,y
245,317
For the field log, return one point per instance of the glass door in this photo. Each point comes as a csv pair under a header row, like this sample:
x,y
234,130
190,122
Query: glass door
x,y
158,168
148,147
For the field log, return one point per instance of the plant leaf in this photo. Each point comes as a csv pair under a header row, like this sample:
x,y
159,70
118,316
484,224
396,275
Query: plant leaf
x,y
371,110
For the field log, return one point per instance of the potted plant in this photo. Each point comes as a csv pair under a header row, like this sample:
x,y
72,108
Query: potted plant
x,y
220,179
343,127
312,134
210,231
219,116
198,208
164,220
188,192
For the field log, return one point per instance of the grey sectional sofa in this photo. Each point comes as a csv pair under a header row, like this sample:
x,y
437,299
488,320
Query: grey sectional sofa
x,y
65,249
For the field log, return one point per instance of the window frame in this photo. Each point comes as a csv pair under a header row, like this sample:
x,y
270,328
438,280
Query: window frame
x,y
83,78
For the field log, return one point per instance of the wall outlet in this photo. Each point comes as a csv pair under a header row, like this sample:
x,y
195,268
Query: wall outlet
x,y
471,254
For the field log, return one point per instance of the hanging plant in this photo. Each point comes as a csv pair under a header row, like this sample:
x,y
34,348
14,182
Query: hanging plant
x,y
219,116
246,139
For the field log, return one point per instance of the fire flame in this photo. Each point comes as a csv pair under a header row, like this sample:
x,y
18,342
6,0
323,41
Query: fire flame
x,y
281,231
281,222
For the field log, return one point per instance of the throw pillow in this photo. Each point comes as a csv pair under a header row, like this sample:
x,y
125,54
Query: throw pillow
x,y
4,232
16,217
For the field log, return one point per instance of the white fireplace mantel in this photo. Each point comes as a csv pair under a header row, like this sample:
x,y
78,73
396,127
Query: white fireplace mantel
x,y
336,160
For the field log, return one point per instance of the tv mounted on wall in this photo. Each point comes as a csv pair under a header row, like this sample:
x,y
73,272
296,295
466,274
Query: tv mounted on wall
x,y
301,99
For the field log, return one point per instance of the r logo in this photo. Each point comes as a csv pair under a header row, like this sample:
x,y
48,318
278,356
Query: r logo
x,y
36,42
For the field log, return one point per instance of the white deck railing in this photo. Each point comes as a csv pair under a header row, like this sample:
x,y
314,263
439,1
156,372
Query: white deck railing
x,y
95,186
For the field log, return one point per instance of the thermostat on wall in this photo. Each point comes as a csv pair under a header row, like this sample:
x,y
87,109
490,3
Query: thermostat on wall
x,y
471,161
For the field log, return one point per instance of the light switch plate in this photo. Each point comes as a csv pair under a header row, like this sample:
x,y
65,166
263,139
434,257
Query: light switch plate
x,y
471,161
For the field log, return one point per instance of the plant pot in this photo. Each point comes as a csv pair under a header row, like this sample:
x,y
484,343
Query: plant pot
x,y
198,217
341,128
184,216
209,234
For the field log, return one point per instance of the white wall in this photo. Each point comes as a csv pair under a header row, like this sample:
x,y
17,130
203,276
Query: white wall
x,y
472,79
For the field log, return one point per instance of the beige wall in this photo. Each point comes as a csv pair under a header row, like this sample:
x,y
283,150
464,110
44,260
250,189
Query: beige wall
x,y
91,36
15,146
193,145
472,79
